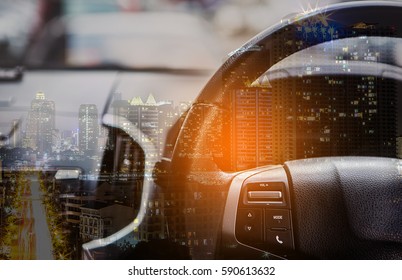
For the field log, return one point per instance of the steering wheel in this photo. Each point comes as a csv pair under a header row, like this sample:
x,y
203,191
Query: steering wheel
x,y
330,208
291,151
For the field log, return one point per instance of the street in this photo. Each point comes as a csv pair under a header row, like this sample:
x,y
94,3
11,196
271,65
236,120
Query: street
x,y
34,241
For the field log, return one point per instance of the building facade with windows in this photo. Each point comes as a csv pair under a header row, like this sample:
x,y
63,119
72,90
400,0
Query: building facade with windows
x,y
99,220
40,124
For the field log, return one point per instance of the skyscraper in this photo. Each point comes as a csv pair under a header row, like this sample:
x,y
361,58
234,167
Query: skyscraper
x,y
252,128
88,127
144,116
167,116
16,138
41,124
342,112
335,116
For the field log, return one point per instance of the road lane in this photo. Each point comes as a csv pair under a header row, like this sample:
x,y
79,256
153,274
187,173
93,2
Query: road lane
x,y
34,239
41,231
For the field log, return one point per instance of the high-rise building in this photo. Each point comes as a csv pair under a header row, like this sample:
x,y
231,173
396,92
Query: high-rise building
x,y
88,127
167,116
16,137
41,124
316,114
143,116
99,219
146,117
251,128
334,116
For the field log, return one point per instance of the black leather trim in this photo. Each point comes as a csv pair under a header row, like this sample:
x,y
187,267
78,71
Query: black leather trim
x,y
347,208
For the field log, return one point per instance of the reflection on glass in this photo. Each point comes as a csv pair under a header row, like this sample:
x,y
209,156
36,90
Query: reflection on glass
x,y
94,172
153,170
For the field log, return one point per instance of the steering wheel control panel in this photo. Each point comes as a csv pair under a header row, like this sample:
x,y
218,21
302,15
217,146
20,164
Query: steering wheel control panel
x,y
262,212
259,223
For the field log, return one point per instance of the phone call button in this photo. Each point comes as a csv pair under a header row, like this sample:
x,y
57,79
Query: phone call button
x,y
279,239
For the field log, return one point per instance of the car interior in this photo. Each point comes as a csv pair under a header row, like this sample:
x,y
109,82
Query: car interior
x,y
291,150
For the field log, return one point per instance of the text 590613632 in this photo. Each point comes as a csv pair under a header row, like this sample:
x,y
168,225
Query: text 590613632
x,y
227,270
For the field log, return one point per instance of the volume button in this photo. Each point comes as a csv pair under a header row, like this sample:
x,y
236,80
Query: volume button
x,y
264,195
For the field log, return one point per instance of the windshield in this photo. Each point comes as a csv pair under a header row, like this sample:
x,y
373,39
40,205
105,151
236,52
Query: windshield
x,y
131,164
87,137
126,41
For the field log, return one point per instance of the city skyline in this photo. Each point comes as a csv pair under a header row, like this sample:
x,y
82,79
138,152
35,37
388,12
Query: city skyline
x,y
42,118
